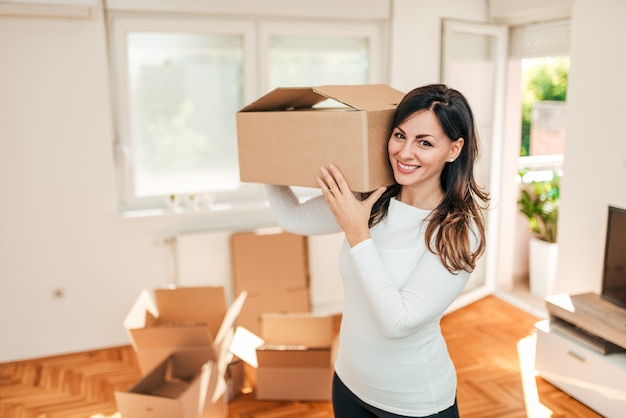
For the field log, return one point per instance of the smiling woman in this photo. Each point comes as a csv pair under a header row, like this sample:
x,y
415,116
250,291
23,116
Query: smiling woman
x,y
408,253
418,150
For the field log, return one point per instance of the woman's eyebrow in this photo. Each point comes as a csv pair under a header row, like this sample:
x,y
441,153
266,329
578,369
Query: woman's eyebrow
x,y
418,136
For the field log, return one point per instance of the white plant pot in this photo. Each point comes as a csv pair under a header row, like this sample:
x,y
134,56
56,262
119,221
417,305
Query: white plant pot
x,y
542,258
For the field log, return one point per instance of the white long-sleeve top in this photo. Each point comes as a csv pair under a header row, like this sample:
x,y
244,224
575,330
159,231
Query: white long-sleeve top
x,y
391,354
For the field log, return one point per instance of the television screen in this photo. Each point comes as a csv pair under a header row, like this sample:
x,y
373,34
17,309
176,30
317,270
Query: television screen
x,y
614,274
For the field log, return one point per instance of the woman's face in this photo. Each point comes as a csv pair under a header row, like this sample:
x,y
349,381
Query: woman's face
x,y
419,149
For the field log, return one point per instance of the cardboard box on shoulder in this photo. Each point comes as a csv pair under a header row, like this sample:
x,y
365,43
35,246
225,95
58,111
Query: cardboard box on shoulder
x,y
285,136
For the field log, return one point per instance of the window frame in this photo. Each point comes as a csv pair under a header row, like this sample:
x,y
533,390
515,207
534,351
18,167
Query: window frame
x,y
256,33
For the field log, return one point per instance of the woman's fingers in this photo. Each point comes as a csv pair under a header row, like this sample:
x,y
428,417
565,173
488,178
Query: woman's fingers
x,y
332,180
375,195
327,181
340,181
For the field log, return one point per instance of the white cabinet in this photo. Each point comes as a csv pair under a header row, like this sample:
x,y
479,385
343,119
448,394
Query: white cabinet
x,y
581,350
595,379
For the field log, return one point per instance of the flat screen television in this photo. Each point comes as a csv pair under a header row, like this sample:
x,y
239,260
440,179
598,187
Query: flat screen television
x,y
614,273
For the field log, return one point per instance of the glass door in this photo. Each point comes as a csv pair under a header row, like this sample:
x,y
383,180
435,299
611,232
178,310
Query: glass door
x,y
474,62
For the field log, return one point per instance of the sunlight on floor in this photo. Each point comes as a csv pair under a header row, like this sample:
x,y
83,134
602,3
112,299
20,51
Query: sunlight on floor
x,y
526,353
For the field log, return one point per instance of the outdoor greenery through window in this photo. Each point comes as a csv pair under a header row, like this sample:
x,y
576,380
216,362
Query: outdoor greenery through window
x,y
543,139
544,95
543,80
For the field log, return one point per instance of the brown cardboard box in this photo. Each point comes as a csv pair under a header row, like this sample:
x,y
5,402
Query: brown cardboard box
x,y
272,267
181,317
283,139
176,388
269,260
184,326
283,301
306,329
294,373
296,361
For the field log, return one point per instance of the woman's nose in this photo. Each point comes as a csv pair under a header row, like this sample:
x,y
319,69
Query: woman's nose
x,y
406,151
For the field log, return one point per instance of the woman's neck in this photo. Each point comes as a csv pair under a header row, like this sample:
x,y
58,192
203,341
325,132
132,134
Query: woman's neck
x,y
420,197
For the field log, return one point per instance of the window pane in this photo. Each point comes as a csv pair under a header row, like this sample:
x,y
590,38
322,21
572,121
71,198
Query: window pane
x,y
185,90
310,60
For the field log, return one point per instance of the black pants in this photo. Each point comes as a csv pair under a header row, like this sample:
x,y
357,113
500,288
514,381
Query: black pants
x,y
347,405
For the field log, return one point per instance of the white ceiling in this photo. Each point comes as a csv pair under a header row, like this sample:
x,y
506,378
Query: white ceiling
x,y
517,12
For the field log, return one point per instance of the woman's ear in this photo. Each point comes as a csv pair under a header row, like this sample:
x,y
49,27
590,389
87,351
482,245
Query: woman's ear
x,y
455,150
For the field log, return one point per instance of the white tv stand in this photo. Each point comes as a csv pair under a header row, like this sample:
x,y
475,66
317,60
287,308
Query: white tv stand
x,y
581,349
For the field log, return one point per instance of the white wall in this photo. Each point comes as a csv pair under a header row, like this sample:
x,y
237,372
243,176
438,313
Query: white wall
x,y
595,149
58,222
416,37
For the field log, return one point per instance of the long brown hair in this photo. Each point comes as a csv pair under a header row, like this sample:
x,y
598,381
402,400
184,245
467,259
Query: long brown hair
x,y
459,214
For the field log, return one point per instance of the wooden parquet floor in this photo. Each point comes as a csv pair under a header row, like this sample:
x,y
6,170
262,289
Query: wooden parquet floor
x,y
490,341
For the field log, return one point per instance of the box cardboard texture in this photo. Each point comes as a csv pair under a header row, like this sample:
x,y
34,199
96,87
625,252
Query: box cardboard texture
x,y
178,317
272,267
283,139
296,360
176,388
188,328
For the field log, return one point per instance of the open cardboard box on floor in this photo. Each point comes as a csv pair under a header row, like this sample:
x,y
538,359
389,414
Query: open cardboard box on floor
x,y
191,322
284,139
181,317
177,388
294,358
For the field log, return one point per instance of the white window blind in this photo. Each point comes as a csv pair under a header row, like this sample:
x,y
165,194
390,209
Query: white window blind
x,y
548,38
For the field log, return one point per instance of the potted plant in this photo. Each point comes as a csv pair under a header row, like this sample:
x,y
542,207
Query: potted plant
x,y
539,202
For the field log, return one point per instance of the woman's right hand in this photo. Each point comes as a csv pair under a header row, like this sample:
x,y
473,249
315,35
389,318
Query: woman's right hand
x,y
351,214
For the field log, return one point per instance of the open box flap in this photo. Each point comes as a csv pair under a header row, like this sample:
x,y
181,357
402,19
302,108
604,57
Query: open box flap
x,y
294,328
171,336
192,304
363,97
224,335
144,305
286,98
244,345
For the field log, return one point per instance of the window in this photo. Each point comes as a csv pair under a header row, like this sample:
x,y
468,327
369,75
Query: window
x,y
316,54
181,81
542,49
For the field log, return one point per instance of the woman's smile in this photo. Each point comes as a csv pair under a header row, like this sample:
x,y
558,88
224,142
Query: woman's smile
x,y
406,168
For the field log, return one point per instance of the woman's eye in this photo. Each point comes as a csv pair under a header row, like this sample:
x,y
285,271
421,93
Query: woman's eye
x,y
398,135
424,143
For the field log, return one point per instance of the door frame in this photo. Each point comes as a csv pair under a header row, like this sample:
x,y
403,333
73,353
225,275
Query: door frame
x,y
500,34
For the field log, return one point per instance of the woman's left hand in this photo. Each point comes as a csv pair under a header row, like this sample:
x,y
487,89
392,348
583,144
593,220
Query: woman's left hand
x,y
351,214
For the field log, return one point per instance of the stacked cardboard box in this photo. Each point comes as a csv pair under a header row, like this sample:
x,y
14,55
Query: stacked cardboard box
x,y
272,267
296,360
288,349
182,342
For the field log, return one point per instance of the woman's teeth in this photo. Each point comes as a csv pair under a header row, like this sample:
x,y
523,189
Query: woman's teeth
x,y
407,167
